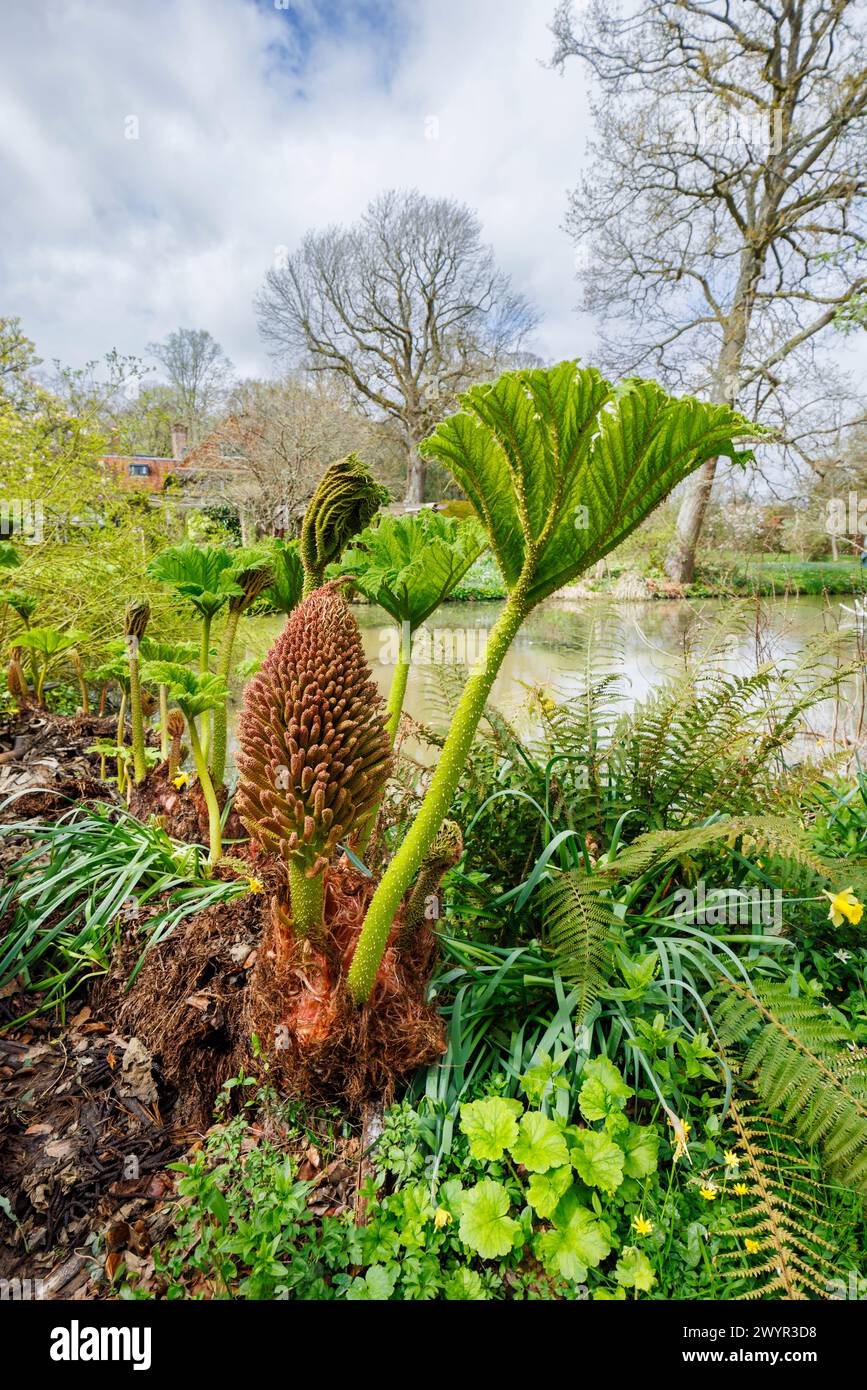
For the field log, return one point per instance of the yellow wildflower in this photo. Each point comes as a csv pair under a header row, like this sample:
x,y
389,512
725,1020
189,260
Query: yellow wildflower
x,y
741,1189
752,1247
441,1218
641,1226
255,885
731,1158
182,780
708,1193
844,905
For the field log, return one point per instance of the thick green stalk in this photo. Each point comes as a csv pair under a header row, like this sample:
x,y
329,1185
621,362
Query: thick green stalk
x,y
221,713
207,786
164,719
139,762
308,900
34,672
396,695
121,739
408,859
204,668
205,645
313,580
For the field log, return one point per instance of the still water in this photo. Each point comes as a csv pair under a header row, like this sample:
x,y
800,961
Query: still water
x,y
644,643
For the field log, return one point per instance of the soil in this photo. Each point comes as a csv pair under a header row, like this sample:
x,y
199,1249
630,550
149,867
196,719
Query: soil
x,y
45,767
87,1129
92,1112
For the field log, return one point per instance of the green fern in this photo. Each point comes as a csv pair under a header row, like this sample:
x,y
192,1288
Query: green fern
x,y
804,1064
580,923
577,911
785,1240
771,835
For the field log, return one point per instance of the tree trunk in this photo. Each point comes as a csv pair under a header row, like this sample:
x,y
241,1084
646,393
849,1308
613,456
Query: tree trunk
x,y
415,475
680,560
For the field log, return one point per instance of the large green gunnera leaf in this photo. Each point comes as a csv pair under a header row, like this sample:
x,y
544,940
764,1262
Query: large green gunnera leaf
x,y
410,564
561,465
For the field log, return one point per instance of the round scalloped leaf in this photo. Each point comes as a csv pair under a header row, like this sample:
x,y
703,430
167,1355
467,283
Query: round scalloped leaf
x,y
578,1242
604,1091
640,1151
597,1160
491,1126
486,1225
545,1190
634,1270
540,1144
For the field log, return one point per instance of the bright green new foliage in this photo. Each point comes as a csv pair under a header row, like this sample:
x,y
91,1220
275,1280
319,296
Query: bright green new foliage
x,y
48,644
248,576
561,466
287,585
196,573
409,565
194,694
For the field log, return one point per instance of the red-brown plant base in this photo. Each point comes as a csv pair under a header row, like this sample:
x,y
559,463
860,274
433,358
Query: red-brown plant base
x,y
236,970
321,1045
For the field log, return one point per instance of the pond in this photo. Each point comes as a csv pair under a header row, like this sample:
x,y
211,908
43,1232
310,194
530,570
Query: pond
x,y
644,643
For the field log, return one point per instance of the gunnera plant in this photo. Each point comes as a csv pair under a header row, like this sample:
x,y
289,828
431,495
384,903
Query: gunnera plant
x,y
136,619
314,755
314,751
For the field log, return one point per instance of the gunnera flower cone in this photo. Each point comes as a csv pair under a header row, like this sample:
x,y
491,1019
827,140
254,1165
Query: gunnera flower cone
x,y
314,755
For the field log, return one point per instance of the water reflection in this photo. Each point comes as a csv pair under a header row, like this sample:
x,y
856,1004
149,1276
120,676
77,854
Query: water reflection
x,y
644,642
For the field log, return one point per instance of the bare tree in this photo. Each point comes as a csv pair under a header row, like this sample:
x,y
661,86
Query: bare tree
x,y
722,219
274,444
406,307
198,372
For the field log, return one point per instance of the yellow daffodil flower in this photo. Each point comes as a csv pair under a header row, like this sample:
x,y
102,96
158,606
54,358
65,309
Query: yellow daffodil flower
x,y
641,1226
844,905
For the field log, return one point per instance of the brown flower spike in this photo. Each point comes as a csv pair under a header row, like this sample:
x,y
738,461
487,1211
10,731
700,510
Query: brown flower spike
x,y
314,753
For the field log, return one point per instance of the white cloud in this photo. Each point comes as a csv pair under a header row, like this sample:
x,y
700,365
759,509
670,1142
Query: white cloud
x,y
250,132
254,125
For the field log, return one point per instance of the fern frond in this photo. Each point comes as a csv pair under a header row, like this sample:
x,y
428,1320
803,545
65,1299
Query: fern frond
x,y
803,1064
770,835
791,1239
579,924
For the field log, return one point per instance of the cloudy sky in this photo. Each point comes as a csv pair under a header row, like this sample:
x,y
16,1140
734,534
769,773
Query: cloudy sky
x,y
156,156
